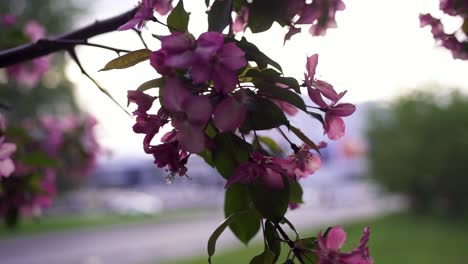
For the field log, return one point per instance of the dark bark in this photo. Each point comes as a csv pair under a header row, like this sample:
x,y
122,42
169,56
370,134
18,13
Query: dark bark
x,y
51,45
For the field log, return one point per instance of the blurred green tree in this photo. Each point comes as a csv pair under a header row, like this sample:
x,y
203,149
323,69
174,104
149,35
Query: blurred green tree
x,y
419,147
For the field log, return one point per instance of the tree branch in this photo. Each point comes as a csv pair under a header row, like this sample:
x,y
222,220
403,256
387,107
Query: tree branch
x,y
41,48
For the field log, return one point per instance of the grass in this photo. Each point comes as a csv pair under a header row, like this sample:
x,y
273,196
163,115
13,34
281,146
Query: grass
x,y
64,223
400,238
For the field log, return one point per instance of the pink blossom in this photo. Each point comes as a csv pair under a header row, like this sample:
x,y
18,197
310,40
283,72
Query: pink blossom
x,y
144,13
48,190
241,21
229,114
291,32
320,14
334,125
217,61
8,20
147,124
300,164
190,114
176,53
328,250
163,7
29,73
7,167
260,169
33,30
170,154
143,101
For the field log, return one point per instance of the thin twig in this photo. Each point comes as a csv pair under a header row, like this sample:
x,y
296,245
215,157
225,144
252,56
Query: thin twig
x,y
75,58
138,32
291,244
75,42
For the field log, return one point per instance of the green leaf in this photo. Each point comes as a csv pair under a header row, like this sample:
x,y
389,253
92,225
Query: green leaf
x,y
307,248
238,200
295,192
155,83
273,239
288,261
219,15
282,94
262,14
271,144
317,116
308,242
217,233
39,159
230,151
272,204
273,76
263,115
237,4
267,257
179,18
207,155
303,137
254,54
286,221
128,60
207,3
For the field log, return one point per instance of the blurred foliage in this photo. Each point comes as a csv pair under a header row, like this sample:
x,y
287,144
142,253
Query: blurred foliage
x,y
53,94
419,147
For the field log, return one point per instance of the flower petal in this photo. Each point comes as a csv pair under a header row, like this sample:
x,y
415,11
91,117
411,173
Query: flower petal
x,y
229,114
174,94
198,109
335,238
334,127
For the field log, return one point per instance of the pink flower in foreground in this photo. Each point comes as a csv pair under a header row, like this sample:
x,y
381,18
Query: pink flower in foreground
x,y
217,61
147,124
176,53
301,164
144,13
229,114
241,21
260,169
190,114
163,7
328,250
170,154
334,125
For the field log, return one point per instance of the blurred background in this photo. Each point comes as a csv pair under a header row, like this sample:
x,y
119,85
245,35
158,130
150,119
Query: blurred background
x,y
401,168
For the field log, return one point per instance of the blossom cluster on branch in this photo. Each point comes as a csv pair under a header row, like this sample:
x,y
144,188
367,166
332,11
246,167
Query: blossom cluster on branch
x,y
30,73
457,41
217,92
42,150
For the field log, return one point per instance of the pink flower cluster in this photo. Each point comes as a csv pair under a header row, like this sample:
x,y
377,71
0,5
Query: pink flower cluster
x,y
320,14
30,73
334,125
7,166
456,42
328,250
57,137
190,103
270,170
145,12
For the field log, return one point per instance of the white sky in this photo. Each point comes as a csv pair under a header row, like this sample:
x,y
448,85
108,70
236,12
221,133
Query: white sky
x,y
377,52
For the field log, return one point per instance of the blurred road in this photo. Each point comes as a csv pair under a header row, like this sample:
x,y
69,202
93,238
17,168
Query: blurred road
x,y
157,243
